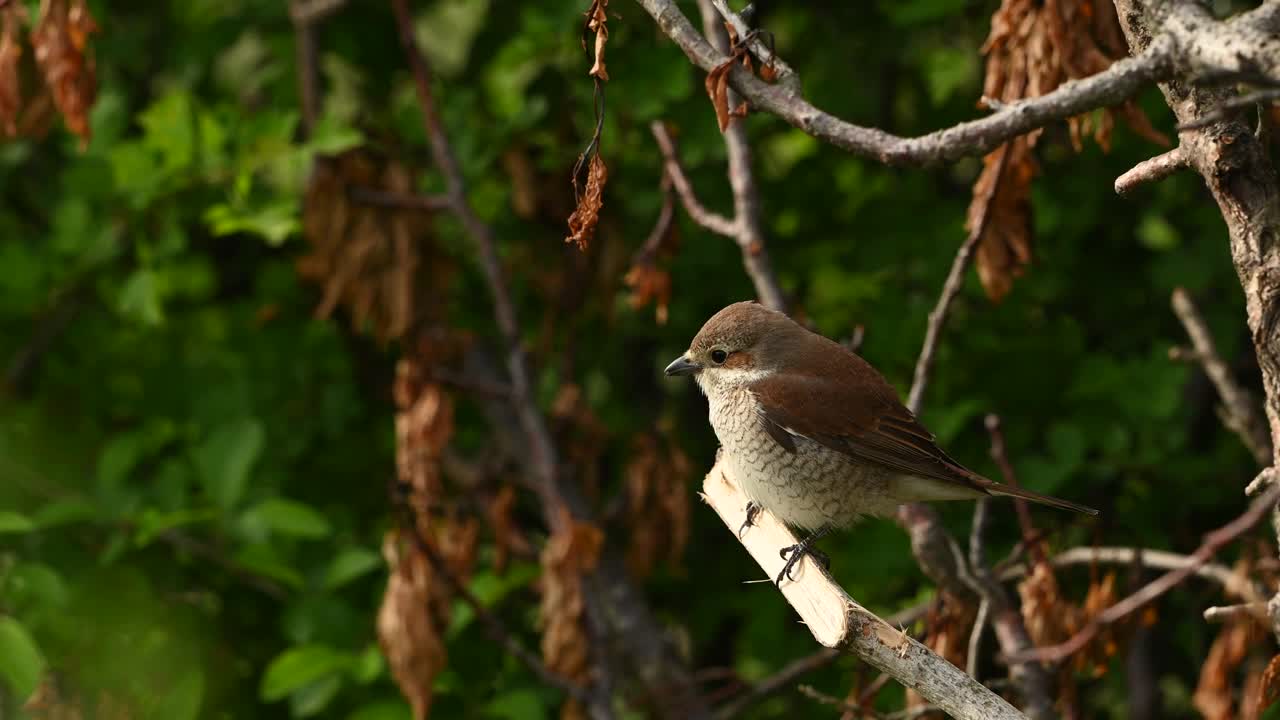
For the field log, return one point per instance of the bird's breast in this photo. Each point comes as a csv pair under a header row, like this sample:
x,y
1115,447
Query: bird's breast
x,y
809,488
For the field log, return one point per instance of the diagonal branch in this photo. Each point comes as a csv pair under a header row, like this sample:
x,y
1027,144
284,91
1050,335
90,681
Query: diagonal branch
x,y
708,219
1151,170
1240,410
838,621
1213,542
1240,48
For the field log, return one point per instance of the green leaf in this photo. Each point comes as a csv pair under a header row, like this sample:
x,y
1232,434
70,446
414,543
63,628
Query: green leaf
x,y
348,565
152,523
65,512
274,222
21,663
262,559
314,697
227,456
299,666
140,298
383,710
289,517
13,522
520,704
369,665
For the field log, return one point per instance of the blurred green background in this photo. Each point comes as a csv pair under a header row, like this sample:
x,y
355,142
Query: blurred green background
x,y
194,467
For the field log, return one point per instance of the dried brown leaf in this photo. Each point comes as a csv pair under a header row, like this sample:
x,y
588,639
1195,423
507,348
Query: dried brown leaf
x,y
12,17
650,284
60,40
597,22
656,481
1270,690
1033,48
586,216
570,553
1214,696
508,537
1001,206
411,621
370,259
717,84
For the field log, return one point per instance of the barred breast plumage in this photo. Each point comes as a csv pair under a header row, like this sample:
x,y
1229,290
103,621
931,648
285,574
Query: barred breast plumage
x,y
810,488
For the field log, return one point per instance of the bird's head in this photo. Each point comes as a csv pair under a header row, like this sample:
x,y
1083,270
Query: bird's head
x,y
739,345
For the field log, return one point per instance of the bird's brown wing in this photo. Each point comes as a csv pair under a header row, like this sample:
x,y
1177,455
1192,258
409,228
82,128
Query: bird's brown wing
x,y
846,405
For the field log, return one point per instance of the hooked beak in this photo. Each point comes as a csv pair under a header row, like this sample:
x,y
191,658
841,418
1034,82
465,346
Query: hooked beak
x,y
681,366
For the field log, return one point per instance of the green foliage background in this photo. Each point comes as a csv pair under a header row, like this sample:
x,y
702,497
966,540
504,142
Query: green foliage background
x,y
193,477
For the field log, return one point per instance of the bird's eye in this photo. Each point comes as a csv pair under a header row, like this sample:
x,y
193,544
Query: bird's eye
x,y
718,356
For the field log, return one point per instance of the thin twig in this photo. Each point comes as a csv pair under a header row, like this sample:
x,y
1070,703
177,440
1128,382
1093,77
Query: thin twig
x,y
950,289
1030,534
708,219
1151,170
841,704
311,11
1226,110
1213,542
399,201
782,679
777,682
1242,414
974,655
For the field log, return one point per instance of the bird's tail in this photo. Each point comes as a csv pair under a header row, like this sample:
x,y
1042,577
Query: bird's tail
x,y
1035,497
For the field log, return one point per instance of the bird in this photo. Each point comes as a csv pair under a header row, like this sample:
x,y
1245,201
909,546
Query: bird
x,y
816,435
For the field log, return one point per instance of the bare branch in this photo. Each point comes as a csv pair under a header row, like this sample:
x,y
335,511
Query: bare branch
x,y
837,621
1151,170
708,219
1240,48
1241,412
1232,582
950,289
1213,542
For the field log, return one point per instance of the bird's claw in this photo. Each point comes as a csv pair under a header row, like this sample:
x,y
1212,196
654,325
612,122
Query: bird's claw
x,y
752,511
793,554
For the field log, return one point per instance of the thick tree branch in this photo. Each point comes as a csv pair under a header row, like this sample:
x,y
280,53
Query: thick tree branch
x,y
1240,410
837,621
1234,164
1241,48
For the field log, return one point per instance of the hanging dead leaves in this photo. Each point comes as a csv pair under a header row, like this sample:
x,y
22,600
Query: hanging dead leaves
x,y
570,554
62,76
649,280
1035,46
717,82
657,502
369,254
590,196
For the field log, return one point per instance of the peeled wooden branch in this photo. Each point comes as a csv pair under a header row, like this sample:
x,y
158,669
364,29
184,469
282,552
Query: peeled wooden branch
x,y
838,621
